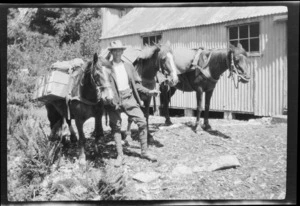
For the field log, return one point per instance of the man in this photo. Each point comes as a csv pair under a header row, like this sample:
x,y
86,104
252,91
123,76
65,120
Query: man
x,y
126,83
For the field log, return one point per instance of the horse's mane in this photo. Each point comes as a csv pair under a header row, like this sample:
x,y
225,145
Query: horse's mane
x,y
104,62
147,52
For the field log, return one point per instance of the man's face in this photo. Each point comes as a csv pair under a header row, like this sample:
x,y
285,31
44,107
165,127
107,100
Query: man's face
x,y
117,54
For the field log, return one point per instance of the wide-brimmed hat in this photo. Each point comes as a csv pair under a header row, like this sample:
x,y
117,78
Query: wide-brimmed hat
x,y
116,45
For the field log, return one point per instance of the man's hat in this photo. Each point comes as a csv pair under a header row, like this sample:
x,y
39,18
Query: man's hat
x,y
116,45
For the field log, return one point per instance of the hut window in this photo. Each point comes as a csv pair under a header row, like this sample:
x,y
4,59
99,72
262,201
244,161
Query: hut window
x,y
150,40
247,35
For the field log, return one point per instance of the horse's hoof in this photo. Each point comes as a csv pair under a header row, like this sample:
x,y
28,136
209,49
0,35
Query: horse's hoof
x,y
119,161
168,123
73,138
151,139
149,156
206,127
200,132
96,148
82,161
128,140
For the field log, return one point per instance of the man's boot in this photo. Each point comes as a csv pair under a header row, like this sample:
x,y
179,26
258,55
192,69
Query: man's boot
x,y
118,141
145,153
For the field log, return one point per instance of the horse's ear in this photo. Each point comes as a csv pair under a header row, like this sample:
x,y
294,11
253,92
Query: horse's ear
x,y
156,45
95,59
240,46
231,46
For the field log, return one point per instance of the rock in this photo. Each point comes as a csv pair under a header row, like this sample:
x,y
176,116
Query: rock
x,y
222,162
181,170
146,176
162,168
279,119
170,127
199,169
142,187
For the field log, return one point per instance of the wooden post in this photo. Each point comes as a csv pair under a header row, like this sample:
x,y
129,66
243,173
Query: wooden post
x,y
188,112
229,115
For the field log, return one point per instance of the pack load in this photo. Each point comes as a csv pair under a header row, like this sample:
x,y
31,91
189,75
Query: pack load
x,y
67,66
55,84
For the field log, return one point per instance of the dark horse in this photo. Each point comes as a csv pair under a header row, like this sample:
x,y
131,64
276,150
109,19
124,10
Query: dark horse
x,y
90,90
204,76
147,64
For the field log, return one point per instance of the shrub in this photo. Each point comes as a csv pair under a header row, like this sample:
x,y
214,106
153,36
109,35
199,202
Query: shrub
x,y
28,151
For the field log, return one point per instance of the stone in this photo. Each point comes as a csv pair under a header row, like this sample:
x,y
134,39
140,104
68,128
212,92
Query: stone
x,y
181,170
222,162
146,176
279,119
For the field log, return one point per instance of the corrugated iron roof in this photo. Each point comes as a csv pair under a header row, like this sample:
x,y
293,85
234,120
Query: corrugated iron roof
x,y
143,20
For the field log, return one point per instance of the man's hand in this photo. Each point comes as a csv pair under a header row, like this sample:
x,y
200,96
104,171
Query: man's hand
x,y
154,92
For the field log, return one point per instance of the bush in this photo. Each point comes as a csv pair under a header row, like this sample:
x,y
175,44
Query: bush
x,y
28,152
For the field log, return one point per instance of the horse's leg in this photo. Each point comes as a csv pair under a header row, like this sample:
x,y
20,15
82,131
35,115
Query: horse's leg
x,y
165,99
146,113
98,126
206,125
55,120
73,136
81,142
65,131
199,93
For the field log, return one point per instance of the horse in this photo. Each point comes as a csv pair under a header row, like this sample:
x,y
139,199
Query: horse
x,y
150,60
92,90
201,75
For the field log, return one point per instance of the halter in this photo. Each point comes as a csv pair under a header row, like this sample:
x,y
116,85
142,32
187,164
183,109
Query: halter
x,y
98,88
233,69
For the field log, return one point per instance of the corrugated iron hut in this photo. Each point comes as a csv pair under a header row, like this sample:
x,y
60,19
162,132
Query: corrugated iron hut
x,y
262,30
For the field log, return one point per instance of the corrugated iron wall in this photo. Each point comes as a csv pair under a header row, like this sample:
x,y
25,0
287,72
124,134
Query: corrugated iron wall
x,y
271,69
264,95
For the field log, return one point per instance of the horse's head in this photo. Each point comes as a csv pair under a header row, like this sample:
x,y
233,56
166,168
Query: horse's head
x,y
238,63
167,63
100,78
159,57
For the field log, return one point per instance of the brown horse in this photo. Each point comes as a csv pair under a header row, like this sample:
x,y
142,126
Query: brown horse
x,y
148,63
204,76
92,89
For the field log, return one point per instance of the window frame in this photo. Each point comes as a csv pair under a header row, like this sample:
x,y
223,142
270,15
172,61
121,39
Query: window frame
x,y
148,36
248,24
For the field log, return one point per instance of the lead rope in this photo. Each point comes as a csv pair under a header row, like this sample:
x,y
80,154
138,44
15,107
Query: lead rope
x,y
233,69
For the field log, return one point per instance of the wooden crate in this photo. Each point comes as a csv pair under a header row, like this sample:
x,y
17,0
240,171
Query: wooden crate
x,y
52,86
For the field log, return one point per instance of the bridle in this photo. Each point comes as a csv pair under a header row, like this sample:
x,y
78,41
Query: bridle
x,y
93,81
233,70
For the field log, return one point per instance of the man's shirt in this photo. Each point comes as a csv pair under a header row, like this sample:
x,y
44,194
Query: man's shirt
x,y
121,76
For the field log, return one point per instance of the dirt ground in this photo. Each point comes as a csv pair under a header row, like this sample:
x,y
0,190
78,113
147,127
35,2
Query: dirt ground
x,y
183,171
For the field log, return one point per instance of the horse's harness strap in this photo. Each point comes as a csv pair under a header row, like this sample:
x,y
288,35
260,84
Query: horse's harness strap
x,y
69,96
233,69
85,101
203,70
